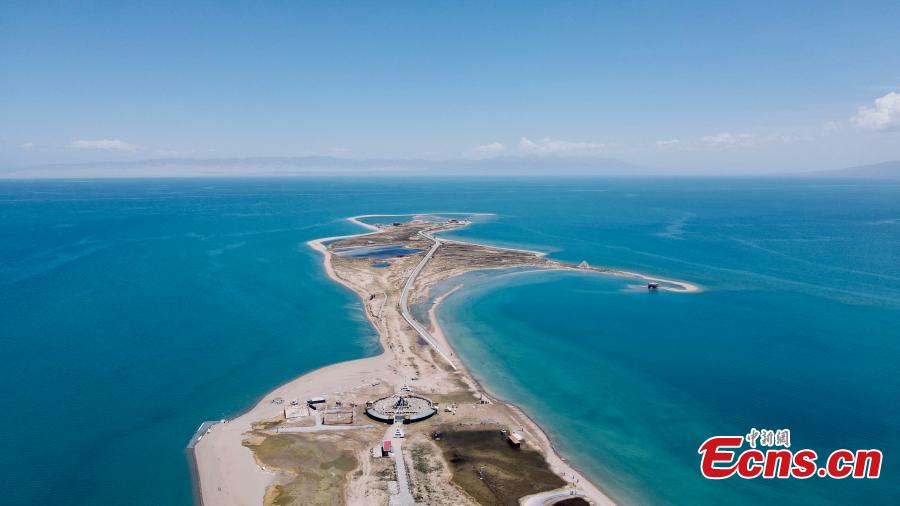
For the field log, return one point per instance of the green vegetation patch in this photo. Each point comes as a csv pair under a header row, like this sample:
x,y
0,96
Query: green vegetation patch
x,y
319,468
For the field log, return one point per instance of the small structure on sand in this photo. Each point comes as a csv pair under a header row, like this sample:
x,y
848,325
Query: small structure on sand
x,y
313,402
515,439
584,265
294,412
652,286
405,408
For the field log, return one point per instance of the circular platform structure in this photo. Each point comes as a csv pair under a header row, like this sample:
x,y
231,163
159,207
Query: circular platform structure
x,y
400,408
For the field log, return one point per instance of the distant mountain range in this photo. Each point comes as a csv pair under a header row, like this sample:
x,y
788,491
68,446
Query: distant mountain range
x,y
333,166
884,170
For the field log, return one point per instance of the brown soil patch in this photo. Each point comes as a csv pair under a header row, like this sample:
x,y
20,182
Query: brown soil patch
x,y
492,472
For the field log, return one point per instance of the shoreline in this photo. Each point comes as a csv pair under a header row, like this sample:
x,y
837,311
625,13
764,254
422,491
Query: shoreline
x,y
235,467
557,462
555,457
682,286
207,461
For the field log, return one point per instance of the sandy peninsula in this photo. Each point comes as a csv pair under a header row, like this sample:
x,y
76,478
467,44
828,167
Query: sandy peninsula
x,y
287,450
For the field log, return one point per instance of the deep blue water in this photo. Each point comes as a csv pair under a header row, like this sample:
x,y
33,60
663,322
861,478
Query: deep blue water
x,y
133,310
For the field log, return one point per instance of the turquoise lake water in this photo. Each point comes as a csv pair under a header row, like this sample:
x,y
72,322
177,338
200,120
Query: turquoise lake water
x,y
134,310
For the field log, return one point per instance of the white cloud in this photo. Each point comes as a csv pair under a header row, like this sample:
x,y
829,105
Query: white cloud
x,y
831,126
789,138
491,149
729,139
543,147
884,115
548,146
28,145
668,143
104,145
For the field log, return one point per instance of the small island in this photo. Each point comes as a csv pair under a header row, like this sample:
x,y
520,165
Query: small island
x,y
410,425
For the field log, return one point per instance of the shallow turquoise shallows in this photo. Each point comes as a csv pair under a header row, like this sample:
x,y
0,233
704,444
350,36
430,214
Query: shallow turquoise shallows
x,y
130,311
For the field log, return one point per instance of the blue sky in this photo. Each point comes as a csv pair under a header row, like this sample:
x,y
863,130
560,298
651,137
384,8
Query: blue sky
x,y
708,86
